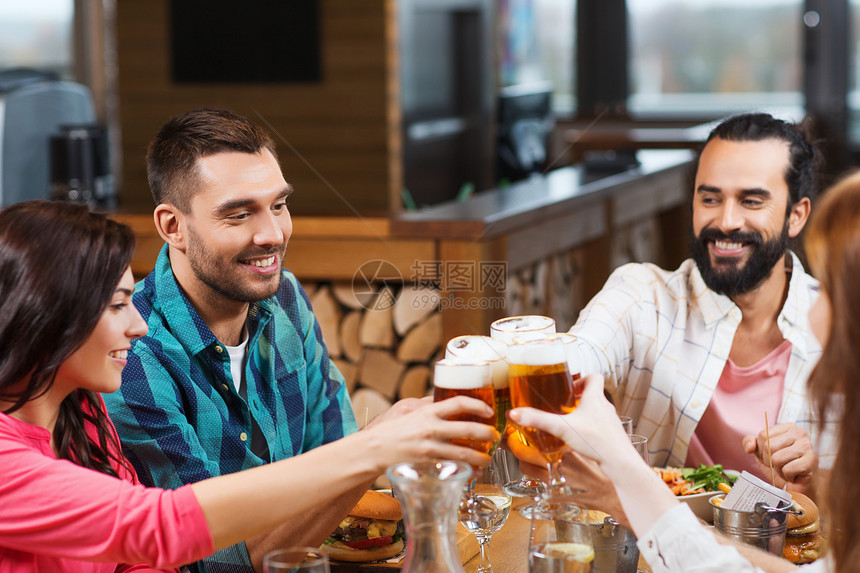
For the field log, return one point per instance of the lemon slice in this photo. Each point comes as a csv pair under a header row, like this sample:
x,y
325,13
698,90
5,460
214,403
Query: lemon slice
x,y
574,551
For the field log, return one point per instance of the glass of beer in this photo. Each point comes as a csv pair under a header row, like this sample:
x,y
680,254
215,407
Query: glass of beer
x,y
505,330
475,348
475,380
541,379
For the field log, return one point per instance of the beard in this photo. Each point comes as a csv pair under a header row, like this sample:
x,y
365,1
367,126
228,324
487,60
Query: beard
x,y
730,278
222,276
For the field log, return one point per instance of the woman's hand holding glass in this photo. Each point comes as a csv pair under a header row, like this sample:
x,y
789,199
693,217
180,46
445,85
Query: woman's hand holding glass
x,y
592,430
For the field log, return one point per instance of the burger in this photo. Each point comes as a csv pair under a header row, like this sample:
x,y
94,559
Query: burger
x,y
803,540
372,531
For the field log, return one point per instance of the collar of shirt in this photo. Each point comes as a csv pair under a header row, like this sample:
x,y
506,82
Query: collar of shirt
x,y
190,329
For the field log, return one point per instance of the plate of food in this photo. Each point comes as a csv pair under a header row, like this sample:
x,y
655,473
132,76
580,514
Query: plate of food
x,y
695,486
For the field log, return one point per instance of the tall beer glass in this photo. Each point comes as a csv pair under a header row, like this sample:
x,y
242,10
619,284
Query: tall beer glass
x,y
452,378
505,330
541,379
474,348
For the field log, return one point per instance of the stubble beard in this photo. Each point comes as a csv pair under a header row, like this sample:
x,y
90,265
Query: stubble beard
x,y
223,278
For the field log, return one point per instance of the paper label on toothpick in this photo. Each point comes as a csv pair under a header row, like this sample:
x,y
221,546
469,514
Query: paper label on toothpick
x,y
750,490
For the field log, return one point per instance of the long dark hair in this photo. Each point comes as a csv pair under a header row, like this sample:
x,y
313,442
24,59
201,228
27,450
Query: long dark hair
x,y
833,249
59,268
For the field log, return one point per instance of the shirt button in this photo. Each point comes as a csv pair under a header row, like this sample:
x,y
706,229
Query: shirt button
x,y
219,350
225,387
695,404
243,436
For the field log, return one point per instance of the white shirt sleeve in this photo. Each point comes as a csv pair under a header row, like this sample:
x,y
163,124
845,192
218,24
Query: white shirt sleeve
x,y
678,542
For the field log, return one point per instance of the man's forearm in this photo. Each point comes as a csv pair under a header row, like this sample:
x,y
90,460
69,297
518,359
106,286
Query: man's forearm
x,y
310,531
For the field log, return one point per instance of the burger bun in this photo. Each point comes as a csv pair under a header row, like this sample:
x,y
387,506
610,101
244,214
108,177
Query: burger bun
x,y
808,512
340,552
378,505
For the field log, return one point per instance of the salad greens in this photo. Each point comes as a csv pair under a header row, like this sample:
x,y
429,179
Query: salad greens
x,y
707,477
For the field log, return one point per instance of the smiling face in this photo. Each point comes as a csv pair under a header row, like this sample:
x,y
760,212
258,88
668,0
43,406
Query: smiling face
x,y
740,226
97,365
238,226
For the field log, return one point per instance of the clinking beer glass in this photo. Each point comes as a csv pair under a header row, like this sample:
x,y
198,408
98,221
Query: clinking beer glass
x,y
457,378
541,379
476,348
505,330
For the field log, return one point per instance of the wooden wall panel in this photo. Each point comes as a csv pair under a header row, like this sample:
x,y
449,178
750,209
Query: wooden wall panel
x,y
332,136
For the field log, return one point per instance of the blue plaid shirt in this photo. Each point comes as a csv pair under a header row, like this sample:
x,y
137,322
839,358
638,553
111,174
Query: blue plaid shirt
x,y
179,415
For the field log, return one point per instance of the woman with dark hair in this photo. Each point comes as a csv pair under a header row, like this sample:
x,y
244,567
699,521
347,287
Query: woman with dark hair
x,y
669,535
70,501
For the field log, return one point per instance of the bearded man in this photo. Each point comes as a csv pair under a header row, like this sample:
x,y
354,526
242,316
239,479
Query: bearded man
x,y
701,356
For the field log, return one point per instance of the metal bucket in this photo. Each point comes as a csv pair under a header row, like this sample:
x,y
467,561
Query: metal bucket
x,y
763,527
615,549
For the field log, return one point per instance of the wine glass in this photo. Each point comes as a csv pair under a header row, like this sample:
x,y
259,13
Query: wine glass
x,y
476,348
296,559
473,379
541,379
492,507
560,540
505,329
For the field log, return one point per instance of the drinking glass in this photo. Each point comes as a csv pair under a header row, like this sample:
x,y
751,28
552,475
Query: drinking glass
x,y
560,540
640,444
627,424
492,507
505,329
476,348
541,379
296,559
472,379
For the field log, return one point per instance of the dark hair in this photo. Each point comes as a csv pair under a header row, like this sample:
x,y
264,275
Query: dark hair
x,y
801,175
171,159
59,268
833,249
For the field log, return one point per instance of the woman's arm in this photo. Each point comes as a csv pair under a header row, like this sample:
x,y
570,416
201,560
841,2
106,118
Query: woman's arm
x,y
250,502
673,539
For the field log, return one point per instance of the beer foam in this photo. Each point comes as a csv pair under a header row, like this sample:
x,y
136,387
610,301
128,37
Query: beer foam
x,y
506,328
537,352
461,375
476,348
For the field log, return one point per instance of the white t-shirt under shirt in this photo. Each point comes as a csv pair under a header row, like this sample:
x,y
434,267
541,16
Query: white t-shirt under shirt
x,y
237,362
237,371
737,409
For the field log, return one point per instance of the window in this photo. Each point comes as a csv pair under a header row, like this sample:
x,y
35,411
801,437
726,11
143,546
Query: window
x,y
711,57
537,44
37,34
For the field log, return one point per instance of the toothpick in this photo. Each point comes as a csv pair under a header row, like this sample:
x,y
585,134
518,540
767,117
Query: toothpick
x,y
769,457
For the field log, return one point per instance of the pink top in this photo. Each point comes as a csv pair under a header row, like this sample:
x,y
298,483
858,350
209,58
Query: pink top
x,y
737,409
58,516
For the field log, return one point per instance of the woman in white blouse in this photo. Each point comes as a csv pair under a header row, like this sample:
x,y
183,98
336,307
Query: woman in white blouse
x,y
670,537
